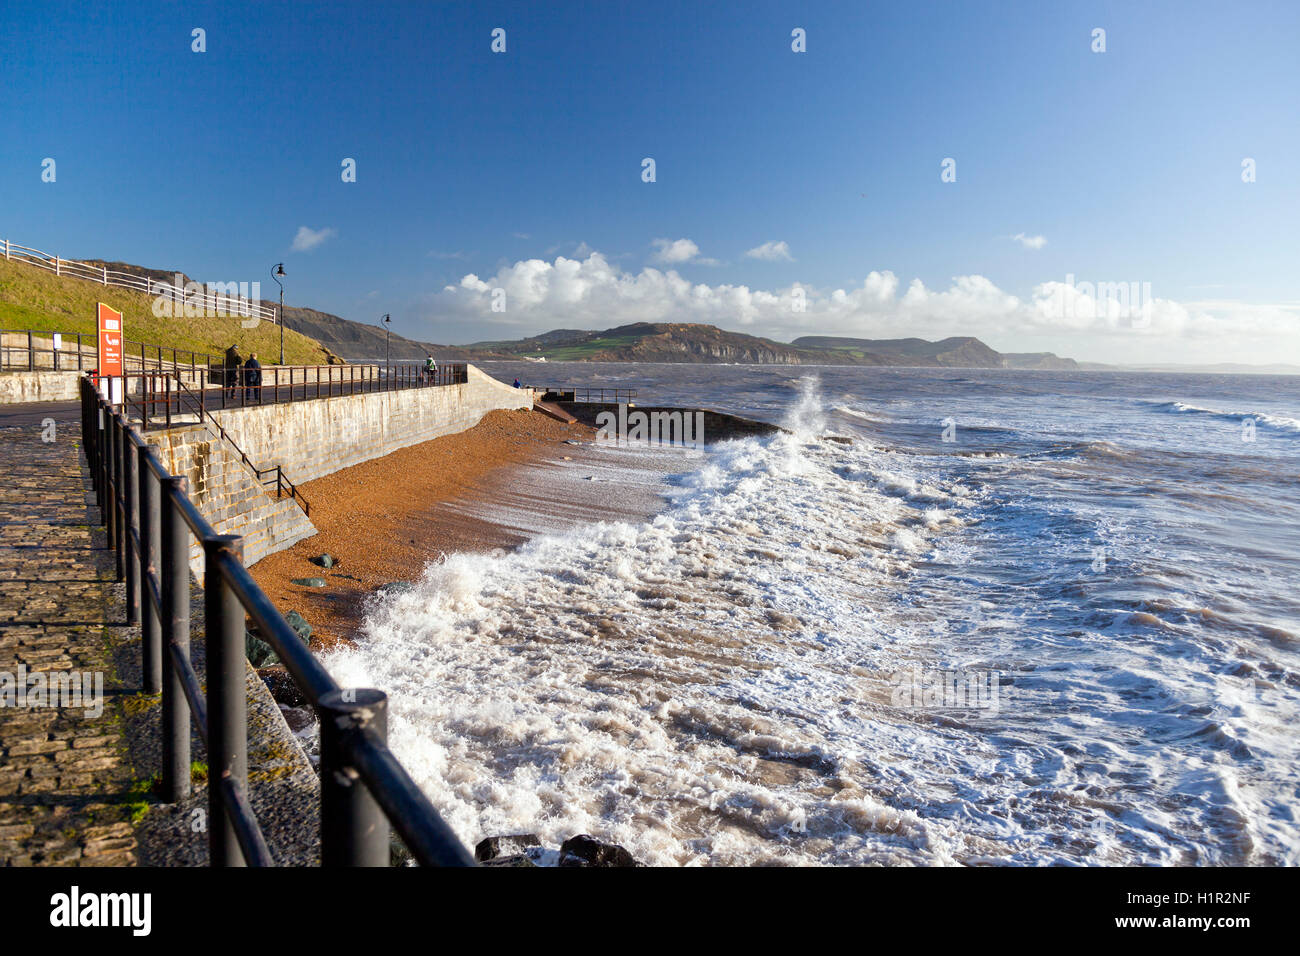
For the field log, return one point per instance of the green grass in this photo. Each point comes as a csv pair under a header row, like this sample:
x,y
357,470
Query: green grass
x,y
32,298
138,803
575,353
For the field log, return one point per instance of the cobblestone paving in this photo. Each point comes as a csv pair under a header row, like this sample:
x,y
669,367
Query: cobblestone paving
x,y
67,789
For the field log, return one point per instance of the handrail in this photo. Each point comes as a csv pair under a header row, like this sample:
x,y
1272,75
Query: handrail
x,y
364,789
281,479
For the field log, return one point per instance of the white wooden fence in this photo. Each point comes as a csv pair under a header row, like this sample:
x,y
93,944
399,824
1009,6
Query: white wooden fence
x,y
194,301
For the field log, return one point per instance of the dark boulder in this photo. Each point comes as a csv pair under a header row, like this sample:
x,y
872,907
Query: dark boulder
x,y
325,560
259,652
284,690
501,846
584,850
308,582
299,625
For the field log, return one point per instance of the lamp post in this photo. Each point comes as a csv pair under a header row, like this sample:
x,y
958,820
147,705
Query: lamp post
x,y
388,320
275,274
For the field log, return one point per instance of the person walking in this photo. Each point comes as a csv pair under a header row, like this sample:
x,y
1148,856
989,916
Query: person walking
x,y
233,363
430,369
253,379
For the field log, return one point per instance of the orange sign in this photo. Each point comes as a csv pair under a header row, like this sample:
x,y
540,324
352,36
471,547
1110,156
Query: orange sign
x,y
110,341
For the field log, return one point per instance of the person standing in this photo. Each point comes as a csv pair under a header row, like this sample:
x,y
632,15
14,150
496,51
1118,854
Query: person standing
x,y
430,369
253,379
233,363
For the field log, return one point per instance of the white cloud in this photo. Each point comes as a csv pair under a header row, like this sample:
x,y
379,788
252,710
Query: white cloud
x,y
771,252
1030,242
308,239
1102,321
673,251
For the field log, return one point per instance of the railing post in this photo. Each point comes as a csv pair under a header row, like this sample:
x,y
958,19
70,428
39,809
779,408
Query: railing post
x,y
131,526
227,706
31,353
174,584
353,828
101,458
150,546
114,489
119,497
87,433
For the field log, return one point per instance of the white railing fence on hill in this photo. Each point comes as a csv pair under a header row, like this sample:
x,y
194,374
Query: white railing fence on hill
x,y
197,300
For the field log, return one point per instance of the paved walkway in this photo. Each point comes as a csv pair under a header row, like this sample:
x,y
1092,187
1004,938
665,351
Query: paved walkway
x,y
67,790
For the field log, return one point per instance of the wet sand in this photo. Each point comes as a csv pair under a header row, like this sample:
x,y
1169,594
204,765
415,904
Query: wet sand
x,y
386,519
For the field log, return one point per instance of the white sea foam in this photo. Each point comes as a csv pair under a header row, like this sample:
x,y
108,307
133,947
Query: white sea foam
x,y
714,685
1276,421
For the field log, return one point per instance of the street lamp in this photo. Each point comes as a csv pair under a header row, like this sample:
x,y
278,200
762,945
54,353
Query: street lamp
x,y
388,321
279,271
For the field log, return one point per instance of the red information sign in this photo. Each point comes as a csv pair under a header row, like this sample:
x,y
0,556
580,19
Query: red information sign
x,y
110,341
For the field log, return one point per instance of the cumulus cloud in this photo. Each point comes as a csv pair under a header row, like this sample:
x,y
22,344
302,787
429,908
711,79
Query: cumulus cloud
x,y
308,239
674,251
1030,242
771,251
1120,316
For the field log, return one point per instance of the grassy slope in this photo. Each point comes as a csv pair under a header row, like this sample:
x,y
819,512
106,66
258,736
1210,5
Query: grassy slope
x,y
576,353
32,298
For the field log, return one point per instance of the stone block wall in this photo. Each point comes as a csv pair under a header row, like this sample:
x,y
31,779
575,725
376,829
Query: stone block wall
x,y
229,495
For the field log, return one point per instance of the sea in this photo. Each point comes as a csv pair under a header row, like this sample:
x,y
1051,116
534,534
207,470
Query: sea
x,y
944,617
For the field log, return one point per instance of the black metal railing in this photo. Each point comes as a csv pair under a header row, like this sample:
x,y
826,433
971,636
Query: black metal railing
x,y
565,393
35,344
154,356
233,387
150,518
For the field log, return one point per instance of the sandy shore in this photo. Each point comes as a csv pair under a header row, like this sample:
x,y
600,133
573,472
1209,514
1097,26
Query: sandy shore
x,y
386,519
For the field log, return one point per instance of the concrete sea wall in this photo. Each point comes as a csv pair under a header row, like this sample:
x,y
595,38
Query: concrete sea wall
x,y
311,439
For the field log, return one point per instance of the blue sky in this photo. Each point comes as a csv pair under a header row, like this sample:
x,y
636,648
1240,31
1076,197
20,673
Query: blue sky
x,y
1122,166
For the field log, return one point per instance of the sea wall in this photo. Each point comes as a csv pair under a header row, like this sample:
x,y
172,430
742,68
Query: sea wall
x,y
311,439
315,438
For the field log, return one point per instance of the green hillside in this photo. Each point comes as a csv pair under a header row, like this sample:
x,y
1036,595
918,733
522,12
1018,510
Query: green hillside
x,y
33,298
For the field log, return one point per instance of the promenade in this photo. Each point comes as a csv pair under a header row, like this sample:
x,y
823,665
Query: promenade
x,y
67,790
